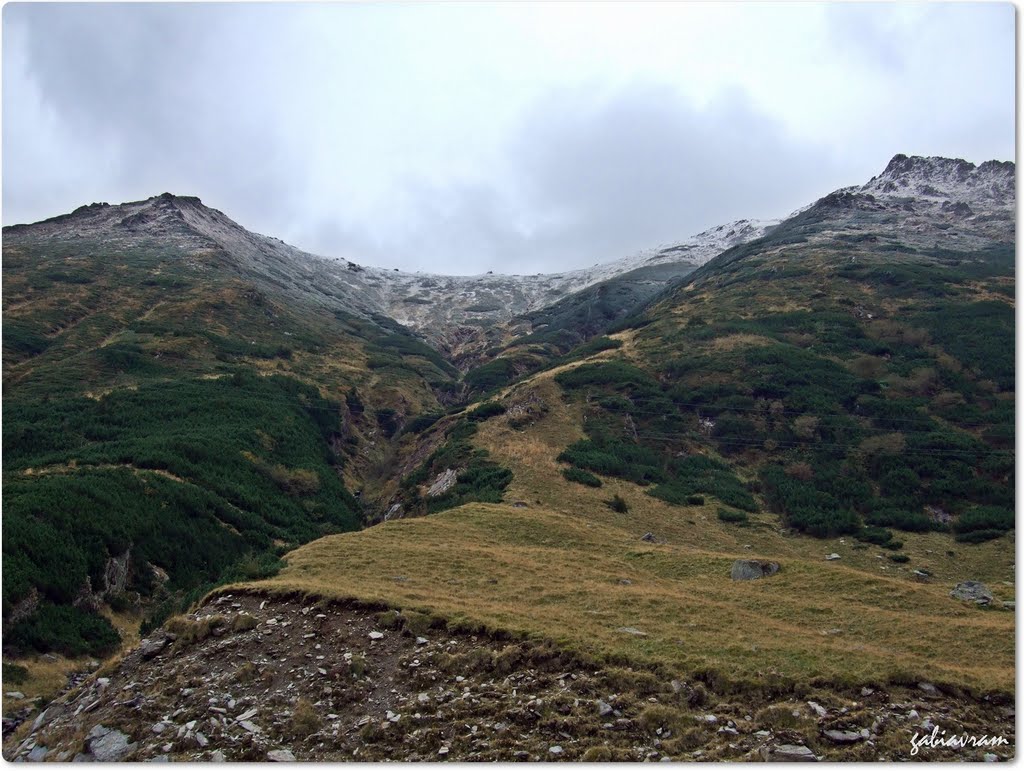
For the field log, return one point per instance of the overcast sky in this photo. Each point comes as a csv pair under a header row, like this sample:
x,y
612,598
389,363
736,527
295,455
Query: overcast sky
x,y
513,137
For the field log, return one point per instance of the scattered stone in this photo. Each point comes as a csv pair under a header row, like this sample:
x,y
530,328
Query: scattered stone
x,y
217,757
250,727
991,758
1009,604
750,570
818,709
376,635
604,709
281,756
930,689
972,591
555,750
161,759
443,751
833,556
788,753
843,737
865,691
17,695
422,640
921,576
247,714
648,537
631,630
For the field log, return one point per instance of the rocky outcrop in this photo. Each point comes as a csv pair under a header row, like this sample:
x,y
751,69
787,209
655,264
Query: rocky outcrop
x,y
972,591
444,482
751,570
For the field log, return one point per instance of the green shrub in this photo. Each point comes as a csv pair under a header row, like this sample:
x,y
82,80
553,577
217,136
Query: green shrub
x,y
617,504
64,629
984,518
876,535
978,536
574,474
14,674
486,411
731,515
901,558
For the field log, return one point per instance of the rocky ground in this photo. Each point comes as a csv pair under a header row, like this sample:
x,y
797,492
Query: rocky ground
x,y
248,678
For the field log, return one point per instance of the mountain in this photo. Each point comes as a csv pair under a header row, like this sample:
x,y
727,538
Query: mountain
x,y
829,399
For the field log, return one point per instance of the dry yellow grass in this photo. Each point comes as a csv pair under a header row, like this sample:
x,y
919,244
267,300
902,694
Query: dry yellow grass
x,y
566,567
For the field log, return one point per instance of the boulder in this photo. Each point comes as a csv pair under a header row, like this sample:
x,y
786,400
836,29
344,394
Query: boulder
x,y
788,753
281,756
107,745
749,570
972,591
153,646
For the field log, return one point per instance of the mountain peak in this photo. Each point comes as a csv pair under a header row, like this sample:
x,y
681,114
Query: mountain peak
x,y
990,185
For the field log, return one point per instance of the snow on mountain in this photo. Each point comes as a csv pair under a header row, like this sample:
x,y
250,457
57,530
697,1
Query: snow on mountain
x,y
964,201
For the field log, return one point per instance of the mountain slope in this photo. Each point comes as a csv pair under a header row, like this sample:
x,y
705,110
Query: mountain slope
x,y
834,395
184,401
843,377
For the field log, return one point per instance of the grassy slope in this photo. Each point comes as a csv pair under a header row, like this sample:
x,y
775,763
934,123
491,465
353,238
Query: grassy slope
x,y
555,569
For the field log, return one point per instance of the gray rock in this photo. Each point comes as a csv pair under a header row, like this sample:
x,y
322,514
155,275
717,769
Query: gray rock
x,y
281,756
603,709
749,570
555,750
631,630
217,757
153,646
108,745
18,695
819,710
788,753
250,727
159,759
930,689
991,758
843,737
972,591
832,556
444,482
38,754
649,537
1009,604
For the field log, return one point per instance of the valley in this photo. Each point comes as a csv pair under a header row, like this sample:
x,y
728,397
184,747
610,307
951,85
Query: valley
x,y
548,479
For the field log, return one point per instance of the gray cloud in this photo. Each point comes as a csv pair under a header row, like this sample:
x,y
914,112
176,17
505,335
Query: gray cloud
x,y
470,138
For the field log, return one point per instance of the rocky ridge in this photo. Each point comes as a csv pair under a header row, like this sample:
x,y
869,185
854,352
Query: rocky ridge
x,y
968,202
